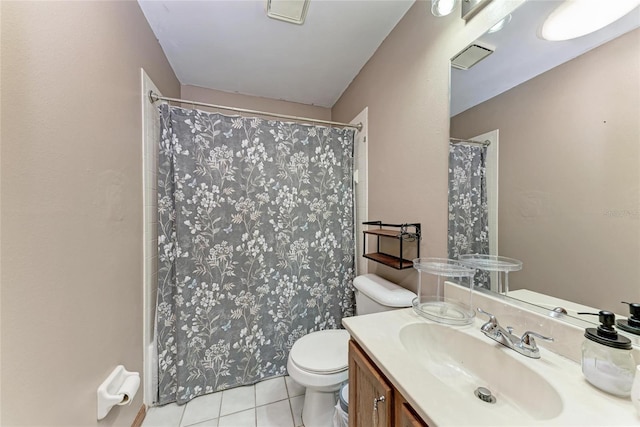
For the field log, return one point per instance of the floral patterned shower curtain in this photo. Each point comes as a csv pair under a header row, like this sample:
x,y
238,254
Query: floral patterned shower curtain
x,y
255,245
468,209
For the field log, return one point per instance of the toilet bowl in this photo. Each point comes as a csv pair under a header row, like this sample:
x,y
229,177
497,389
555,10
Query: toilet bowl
x,y
319,360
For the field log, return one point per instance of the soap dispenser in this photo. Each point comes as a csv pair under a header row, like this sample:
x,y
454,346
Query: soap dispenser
x,y
607,362
632,324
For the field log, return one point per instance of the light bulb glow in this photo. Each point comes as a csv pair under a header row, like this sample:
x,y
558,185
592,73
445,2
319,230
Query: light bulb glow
x,y
442,7
500,25
576,18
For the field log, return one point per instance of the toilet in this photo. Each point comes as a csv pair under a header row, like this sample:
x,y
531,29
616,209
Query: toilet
x,y
319,360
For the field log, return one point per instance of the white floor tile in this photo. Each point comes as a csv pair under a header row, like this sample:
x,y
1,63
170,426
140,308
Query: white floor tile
x,y
270,391
293,387
296,407
239,419
202,408
238,399
208,423
164,416
276,414
262,405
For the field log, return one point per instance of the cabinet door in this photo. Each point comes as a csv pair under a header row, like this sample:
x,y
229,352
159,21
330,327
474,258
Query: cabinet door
x,y
404,414
370,395
407,418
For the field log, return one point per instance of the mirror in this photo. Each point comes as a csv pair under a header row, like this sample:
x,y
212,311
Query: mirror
x,y
568,118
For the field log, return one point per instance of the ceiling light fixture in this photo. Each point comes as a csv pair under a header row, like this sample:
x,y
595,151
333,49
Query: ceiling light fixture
x,y
442,7
293,11
500,25
576,18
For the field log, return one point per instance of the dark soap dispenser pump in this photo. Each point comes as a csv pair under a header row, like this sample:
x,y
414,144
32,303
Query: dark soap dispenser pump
x,y
607,362
632,324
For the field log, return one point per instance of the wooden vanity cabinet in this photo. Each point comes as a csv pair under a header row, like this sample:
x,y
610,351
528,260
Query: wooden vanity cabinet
x,y
373,401
405,415
368,387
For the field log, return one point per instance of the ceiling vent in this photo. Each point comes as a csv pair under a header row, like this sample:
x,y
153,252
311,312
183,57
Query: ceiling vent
x,y
293,11
471,55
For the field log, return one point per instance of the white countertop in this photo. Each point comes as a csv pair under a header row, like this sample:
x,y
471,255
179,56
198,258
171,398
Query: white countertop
x,y
441,405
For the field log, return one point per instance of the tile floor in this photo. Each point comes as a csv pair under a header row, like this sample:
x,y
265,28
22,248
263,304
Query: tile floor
x,y
276,402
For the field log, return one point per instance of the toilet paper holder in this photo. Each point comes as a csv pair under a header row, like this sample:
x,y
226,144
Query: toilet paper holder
x,y
119,388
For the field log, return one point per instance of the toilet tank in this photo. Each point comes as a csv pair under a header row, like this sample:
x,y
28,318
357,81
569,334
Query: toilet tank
x,y
375,294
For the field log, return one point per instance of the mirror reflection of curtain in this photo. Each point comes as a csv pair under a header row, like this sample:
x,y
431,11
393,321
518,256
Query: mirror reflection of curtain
x,y
468,231
255,246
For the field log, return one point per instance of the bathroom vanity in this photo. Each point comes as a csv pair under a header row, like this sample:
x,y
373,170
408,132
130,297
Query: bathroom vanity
x,y
373,400
422,373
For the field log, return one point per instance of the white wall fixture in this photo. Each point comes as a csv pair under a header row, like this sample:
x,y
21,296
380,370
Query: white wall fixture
x,y
293,11
442,7
500,25
119,388
471,7
471,55
576,18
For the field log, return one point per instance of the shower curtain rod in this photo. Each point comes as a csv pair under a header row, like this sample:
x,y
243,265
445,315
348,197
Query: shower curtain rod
x,y
469,141
154,97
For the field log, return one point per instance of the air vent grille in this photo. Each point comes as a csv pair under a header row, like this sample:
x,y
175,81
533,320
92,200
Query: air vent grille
x,y
293,11
471,55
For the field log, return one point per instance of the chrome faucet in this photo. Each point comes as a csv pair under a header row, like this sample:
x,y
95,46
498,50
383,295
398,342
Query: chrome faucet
x,y
525,345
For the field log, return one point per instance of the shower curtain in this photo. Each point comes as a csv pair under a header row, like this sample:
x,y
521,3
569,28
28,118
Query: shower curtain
x,y
255,245
468,212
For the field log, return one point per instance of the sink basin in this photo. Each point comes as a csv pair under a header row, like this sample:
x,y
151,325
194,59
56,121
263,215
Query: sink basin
x,y
464,362
437,368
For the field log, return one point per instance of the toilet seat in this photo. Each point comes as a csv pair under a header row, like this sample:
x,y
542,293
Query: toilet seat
x,y
323,352
319,361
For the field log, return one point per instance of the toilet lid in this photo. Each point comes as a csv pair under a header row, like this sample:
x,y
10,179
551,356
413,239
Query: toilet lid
x,y
322,351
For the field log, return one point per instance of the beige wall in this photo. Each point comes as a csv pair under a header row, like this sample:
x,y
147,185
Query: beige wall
x,y
72,204
211,96
570,175
406,87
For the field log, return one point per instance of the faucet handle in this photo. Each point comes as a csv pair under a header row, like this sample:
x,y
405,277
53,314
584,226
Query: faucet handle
x,y
492,326
492,319
527,338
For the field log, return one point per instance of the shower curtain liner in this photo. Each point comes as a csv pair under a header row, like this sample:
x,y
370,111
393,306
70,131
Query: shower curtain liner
x,y
468,210
255,245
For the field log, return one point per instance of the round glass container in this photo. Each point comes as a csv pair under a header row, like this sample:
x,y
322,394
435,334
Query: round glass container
x,y
431,301
493,263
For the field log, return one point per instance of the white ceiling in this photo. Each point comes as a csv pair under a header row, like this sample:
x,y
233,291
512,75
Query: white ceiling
x,y
234,47
521,55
